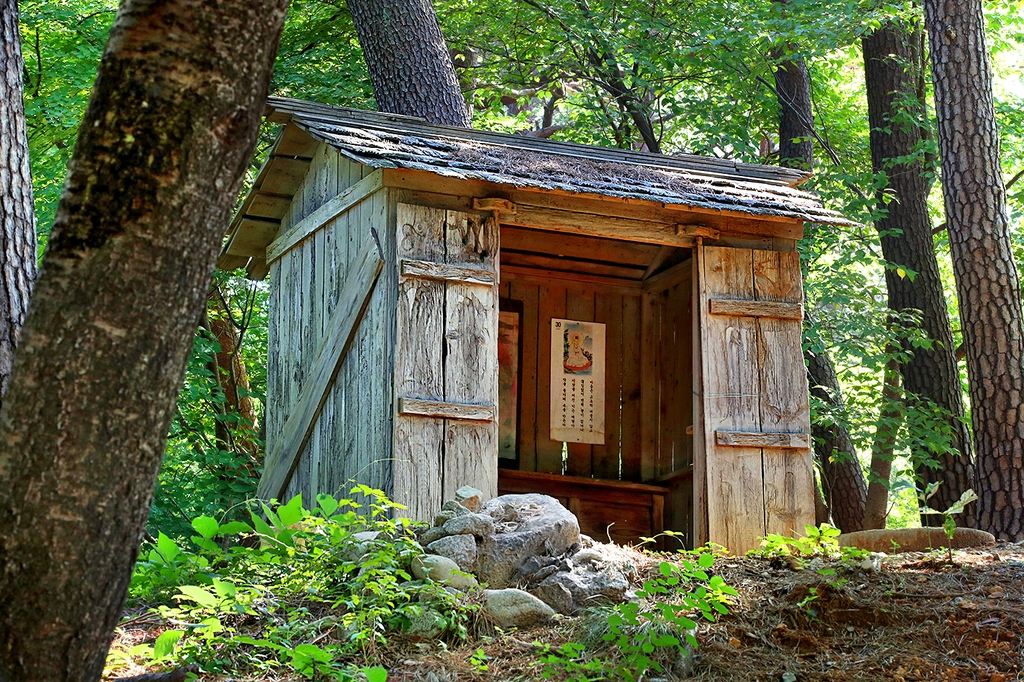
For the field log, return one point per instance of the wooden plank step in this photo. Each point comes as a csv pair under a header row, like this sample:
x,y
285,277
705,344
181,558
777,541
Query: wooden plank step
x,y
776,309
743,439
442,410
441,271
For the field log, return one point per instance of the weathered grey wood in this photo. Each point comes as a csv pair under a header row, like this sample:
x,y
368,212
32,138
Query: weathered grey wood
x,y
735,487
297,429
322,215
441,410
784,399
419,364
471,357
776,309
442,271
700,479
736,439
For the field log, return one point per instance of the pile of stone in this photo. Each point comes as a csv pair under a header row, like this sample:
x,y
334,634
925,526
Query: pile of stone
x,y
528,551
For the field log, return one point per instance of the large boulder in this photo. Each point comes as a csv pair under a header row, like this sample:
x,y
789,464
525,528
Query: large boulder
x,y
527,526
515,608
600,574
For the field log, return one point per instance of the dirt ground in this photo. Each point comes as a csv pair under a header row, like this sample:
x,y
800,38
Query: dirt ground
x,y
914,617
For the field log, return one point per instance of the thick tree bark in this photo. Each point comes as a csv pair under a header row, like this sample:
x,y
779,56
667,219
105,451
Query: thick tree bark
x,y
793,90
17,214
988,285
892,61
159,160
409,63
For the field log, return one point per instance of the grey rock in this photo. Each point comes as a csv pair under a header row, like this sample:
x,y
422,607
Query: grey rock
x,y
537,576
599,574
430,535
359,544
459,548
915,539
469,497
479,525
500,510
542,528
441,570
453,506
444,517
428,625
515,608
531,566
556,596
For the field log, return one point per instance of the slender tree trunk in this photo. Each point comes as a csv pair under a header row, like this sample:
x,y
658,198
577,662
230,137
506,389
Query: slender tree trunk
x,y
892,55
883,451
159,160
988,285
844,486
17,216
233,380
409,63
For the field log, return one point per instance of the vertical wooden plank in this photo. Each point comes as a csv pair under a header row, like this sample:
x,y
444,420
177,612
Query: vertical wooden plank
x,y
650,384
272,412
684,335
784,403
734,475
528,388
381,399
579,305
471,360
608,309
419,367
700,483
551,304
632,363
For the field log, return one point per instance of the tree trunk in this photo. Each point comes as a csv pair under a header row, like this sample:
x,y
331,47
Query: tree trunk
x,y
988,285
409,64
891,56
17,213
876,507
844,486
158,163
233,380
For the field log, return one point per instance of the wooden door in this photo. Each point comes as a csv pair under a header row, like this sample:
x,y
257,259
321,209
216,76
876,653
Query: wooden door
x,y
755,474
446,357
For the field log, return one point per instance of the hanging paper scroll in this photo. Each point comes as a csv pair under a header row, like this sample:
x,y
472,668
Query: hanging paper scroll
x,y
577,381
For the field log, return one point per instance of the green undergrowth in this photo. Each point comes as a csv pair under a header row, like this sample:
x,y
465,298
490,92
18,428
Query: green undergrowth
x,y
295,590
318,593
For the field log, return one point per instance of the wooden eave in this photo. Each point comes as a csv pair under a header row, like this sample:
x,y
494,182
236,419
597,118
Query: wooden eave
x,y
256,225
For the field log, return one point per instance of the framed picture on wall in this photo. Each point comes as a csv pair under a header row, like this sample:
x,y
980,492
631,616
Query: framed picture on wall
x,y
510,348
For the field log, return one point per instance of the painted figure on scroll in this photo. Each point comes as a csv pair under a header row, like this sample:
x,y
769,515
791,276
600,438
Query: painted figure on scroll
x,y
577,358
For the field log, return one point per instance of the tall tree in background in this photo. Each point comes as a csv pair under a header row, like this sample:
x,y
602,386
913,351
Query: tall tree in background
x,y
17,213
159,161
893,67
410,67
988,285
843,483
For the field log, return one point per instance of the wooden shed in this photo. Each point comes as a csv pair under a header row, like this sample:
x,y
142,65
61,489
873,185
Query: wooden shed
x,y
451,307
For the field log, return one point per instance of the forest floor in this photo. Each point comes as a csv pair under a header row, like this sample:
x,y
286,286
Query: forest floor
x,y
914,617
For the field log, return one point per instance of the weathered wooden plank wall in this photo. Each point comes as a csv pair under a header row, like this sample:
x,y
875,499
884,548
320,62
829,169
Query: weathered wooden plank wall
x,y
351,440
447,356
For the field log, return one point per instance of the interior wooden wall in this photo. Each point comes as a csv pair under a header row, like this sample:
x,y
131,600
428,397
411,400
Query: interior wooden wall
x,y
305,286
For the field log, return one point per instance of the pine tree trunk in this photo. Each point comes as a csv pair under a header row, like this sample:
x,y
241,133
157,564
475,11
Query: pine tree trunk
x,y
158,163
409,64
17,216
844,486
233,380
988,285
892,55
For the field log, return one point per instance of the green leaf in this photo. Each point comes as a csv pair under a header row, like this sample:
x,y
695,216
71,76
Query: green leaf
x,y
375,674
235,527
206,526
706,560
225,590
291,513
329,505
167,547
198,595
164,644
